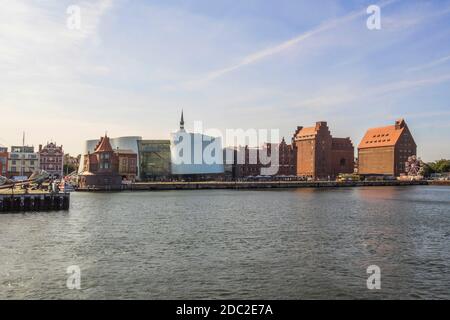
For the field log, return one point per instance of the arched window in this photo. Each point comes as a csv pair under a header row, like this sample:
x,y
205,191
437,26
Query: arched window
x,y
343,162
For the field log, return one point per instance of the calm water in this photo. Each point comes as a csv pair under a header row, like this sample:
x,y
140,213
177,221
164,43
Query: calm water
x,y
296,244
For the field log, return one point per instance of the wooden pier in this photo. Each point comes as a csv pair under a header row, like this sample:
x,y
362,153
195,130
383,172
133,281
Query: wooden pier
x,y
34,202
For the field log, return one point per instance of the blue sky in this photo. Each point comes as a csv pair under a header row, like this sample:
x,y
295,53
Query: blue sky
x,y
231,64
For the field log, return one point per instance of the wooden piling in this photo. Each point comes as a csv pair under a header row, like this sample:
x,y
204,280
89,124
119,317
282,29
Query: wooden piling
x,y
34,202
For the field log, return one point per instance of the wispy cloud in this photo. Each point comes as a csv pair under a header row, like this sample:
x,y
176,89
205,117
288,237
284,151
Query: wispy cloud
x,y
344,96
35,39
430,64
276,49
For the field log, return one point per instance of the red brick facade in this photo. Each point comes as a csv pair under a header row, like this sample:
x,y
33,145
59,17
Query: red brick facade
x,y
101,168
384,150
3,161
287,158
52,159
319,155
248,161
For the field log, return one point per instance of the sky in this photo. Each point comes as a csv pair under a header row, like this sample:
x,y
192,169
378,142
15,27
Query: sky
x,y
273,64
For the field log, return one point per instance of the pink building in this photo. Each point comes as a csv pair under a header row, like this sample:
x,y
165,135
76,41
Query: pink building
x,y
52,159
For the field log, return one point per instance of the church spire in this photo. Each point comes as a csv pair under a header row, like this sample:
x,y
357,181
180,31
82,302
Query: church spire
x,y
182,121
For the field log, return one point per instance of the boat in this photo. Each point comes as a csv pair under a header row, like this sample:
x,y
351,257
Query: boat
x,y
65,187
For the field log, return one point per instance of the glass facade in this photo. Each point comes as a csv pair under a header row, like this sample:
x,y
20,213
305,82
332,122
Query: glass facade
x,y
154,159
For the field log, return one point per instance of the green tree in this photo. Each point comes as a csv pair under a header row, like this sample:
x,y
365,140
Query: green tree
x,y
443,166
439,166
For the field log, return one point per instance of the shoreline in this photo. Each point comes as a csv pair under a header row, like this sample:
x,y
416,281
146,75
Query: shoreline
x,y
246,185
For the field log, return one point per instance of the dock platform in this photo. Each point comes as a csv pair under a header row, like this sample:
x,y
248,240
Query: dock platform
x,y
34,202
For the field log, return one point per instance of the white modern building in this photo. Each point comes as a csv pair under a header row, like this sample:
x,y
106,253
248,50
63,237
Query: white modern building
x,y
195,153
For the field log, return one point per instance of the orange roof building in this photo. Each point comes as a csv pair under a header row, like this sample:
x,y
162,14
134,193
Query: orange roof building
x,y
384,150
321,156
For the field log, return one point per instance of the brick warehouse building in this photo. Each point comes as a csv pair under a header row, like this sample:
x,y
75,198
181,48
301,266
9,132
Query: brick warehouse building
x,y
384,150
247,160
319,155
287,160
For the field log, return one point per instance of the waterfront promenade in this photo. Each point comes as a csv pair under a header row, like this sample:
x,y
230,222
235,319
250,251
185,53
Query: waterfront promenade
x,y
204,185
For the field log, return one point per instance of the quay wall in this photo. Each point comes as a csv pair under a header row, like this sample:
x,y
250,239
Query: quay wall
x,y
34,202
439,182
153,186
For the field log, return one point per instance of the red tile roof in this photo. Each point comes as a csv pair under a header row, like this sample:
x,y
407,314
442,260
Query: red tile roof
x,y
104,145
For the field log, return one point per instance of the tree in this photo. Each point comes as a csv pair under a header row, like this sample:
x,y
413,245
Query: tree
x,y
439,166
443,166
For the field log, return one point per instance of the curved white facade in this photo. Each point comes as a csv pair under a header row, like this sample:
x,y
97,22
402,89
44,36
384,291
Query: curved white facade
x,y
193,153
123,143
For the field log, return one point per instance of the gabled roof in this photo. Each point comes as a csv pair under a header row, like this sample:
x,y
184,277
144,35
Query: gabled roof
x,y
104,145
310,131
383,136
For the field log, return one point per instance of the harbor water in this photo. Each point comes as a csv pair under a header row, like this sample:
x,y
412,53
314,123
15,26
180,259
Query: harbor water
x,y
233,244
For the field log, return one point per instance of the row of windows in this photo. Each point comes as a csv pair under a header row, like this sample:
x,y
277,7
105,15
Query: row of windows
x,y
379,141
51,167
51,159
380,135
23,156
14,162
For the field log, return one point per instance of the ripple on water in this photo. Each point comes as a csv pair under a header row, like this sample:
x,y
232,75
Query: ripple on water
x,y
225,244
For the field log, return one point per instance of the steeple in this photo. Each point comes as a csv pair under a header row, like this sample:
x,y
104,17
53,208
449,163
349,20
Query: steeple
x,y
182,121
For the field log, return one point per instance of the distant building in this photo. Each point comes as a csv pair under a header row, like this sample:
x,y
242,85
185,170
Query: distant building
x,y
194,155
319,155
52,159
100,168
287,158
126,163
121,143
22,161
384,150
3,161
154,159
248,161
